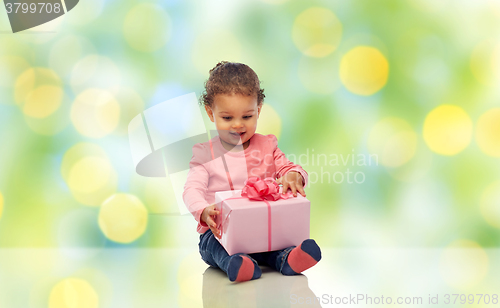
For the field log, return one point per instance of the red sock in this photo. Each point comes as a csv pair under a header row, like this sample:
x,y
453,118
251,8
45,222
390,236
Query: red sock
x,y
302,257
246,270
300,260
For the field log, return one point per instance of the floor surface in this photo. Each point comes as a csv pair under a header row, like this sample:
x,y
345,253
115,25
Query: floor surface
x,y
361,277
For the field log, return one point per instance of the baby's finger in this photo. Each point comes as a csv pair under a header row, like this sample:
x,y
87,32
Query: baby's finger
x,y
211,223
285,187
294,189
213,212
300,189
279,181
213,226
216,232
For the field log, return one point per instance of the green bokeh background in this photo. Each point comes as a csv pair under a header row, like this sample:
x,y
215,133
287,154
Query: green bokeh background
x,y
430,201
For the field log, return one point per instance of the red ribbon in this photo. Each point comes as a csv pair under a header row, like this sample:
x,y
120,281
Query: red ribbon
x,y
264,190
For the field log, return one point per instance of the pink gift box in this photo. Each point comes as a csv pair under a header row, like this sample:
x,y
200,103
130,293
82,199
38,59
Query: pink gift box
x,y
249,226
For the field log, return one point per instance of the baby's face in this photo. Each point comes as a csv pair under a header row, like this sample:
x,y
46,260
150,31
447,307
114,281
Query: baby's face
x,y
235,117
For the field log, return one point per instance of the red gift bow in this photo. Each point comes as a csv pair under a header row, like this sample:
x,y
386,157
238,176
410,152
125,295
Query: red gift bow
x,y
266,189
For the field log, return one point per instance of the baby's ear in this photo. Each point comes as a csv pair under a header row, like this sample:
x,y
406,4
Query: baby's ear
x,y
258,109
210,113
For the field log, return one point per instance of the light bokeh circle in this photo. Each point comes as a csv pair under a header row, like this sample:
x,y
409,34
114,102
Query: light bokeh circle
x,y
317,32
52,123
269,121
490,204
488,132
66,53
95,71
123,218
88,172
43,101
364,70
38,91
95,113
73,293
91,180
147,27
31,79
464,264
447,130
76,153
393,140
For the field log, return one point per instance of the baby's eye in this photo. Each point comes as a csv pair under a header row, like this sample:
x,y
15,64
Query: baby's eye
x,y
227,118
247,117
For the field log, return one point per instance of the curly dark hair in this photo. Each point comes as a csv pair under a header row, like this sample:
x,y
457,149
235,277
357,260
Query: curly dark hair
x,y
231,78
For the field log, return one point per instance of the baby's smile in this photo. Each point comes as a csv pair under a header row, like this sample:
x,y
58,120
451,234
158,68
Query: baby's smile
x,y
236,134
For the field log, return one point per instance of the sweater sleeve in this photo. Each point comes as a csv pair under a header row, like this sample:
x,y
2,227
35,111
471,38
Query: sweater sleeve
x,y
283,165
196,185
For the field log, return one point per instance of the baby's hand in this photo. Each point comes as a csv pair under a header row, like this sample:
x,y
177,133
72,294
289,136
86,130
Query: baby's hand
x,y
208,216
294,181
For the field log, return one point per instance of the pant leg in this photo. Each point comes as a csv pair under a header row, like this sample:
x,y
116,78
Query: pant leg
x,y
212,252
274,259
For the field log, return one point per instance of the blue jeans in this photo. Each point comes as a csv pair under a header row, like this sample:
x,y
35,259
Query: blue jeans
x,y
215,255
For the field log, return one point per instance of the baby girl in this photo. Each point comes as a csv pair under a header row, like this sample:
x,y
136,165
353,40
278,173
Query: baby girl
x,y
233,100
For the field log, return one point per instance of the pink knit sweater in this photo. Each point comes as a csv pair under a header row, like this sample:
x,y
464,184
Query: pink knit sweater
x,y
206,176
